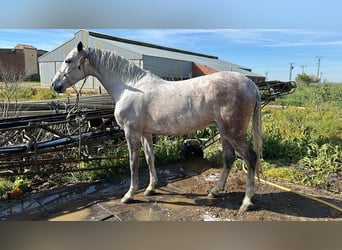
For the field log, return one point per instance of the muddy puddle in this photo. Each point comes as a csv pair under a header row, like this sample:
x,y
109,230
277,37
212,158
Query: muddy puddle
x,y
174,200
181,196
71,216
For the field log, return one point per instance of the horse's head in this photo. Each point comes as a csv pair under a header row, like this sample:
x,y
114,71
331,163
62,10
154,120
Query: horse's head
x,y
72,69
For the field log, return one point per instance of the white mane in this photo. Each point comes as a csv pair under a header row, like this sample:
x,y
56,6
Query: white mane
x,y
119,67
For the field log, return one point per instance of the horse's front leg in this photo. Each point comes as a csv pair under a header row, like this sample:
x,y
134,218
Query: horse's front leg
x,y
133,144
147,143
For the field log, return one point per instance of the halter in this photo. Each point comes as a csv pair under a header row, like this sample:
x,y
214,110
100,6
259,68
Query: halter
x,y
79,64
78,92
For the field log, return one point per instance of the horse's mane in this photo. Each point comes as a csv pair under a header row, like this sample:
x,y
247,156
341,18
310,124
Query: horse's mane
x,y
109,61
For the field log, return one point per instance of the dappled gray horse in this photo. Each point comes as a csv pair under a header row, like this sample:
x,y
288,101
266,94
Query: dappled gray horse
x,y
147,104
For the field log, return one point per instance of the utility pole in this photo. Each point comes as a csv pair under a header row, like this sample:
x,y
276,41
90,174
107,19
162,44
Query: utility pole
x,y
291,68
318,64
303,68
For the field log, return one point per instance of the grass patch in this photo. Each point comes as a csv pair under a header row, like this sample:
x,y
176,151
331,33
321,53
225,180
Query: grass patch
x,y
285,174
314,95
26,91
5,187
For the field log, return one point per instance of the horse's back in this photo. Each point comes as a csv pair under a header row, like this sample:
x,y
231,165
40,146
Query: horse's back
x,y
227,87
198,102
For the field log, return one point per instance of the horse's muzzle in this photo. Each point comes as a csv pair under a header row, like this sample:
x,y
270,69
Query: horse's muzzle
x,y
57,87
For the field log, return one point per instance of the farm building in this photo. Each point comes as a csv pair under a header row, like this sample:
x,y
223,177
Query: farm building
x,y
168,63
20,62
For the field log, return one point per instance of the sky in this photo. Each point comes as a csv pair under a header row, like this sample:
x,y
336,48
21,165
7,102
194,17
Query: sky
x,y
266,36
266,51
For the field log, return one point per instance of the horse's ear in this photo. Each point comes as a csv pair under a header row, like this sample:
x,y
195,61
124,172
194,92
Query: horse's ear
x,y
79,46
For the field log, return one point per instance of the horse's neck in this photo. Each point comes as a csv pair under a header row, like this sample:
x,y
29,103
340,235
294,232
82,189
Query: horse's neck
x,y
114,72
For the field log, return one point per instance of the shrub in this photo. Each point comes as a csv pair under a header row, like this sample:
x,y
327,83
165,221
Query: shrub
x,y
44,94
306,79
167,150
320,162
5,186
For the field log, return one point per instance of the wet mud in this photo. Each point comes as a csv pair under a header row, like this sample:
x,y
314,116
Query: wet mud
x,y
181,196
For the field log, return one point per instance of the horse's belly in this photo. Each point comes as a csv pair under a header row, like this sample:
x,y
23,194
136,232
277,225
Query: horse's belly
x,y
177,124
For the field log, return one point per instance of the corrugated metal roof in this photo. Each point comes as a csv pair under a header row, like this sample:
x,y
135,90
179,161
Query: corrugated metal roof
x,y
147,45
172,53
136,49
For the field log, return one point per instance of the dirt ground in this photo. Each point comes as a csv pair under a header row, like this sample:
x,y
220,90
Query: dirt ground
x,y
181,196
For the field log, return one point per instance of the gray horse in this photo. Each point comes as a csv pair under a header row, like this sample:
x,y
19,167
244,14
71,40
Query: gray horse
x,y
147,104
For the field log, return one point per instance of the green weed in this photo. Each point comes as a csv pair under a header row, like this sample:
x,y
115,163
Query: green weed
x,y
285,174
5,186
320,95
167,150
320,162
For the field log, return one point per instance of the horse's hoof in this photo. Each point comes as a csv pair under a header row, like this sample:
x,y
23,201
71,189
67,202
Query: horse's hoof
x,y
125,200
246,207
212,195
149,192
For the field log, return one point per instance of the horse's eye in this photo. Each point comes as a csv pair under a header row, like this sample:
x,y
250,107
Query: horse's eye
x,y
67,61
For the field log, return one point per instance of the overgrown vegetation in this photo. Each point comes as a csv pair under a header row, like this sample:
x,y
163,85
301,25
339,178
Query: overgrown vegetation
x,y
321,96
308,139
15,92
306,79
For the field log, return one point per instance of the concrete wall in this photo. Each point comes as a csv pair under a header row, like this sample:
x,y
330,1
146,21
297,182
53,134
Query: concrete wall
x,y
31,62
20,62
12,63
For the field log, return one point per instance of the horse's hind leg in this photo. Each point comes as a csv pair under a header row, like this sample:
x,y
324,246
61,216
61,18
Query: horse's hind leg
x,y
249,156
228,159
147,143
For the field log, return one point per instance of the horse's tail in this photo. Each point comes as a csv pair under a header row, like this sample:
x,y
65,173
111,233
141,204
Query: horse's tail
x,y
257,133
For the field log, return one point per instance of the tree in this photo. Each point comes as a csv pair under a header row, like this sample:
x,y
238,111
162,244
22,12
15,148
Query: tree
x,y
306,79
9,89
